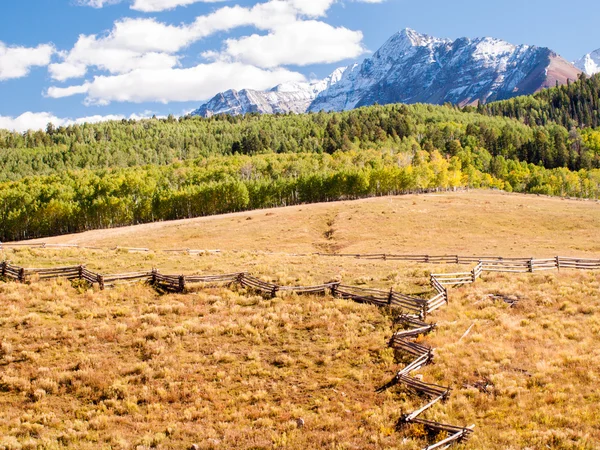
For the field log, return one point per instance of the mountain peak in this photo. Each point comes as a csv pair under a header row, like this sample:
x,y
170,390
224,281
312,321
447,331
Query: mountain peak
x,y
412,67
407,38
414,38
288,97
416,68
590,63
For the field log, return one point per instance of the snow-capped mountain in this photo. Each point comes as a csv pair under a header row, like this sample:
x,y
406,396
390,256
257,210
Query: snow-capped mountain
x,y
590,63
414,68
287,97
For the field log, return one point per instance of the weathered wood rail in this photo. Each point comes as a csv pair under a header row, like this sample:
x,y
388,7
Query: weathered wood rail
x,y
414,310
489,263
404,340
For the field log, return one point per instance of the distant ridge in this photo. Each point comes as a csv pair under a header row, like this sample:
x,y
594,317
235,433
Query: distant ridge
x,y
413,68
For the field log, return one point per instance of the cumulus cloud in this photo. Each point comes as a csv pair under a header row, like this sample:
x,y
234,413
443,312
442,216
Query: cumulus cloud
x,y
16,62
141,59
39,120
167,85
299,43
312,8
132,44
149,44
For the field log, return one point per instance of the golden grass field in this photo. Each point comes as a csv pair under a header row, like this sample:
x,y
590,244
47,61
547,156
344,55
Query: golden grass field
x,y
129,368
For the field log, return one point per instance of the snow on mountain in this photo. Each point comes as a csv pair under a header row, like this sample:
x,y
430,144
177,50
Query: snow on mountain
x,y
590,63
416,68
287,97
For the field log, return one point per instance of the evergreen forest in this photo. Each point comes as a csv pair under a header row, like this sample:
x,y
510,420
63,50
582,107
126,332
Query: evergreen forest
x,y
90,176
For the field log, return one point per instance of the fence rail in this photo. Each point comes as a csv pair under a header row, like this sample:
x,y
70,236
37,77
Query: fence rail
x,y
488,263
532,264
416,309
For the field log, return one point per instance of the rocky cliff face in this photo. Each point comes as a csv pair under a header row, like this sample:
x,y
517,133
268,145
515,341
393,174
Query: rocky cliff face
x,y
414,68
288,97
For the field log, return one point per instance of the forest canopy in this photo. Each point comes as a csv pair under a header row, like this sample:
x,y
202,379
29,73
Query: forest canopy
x,y
81,177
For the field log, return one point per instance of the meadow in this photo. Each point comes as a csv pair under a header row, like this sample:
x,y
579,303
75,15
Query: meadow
x,y
225,368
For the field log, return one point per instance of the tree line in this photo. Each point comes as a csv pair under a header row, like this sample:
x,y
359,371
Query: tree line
x,y
574,105
74,201
129,143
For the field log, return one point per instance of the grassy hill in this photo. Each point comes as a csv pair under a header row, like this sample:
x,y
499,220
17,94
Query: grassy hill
x,y
225,368
79,178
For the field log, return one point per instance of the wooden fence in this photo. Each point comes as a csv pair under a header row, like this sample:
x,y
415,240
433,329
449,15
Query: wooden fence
x,y
405,341
489,263
179,283
414,310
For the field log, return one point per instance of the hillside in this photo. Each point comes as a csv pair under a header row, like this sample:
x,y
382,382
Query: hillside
x,y
571,105
220,367
475,222
124,173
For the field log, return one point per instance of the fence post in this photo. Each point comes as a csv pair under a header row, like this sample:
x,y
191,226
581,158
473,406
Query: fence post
x,y
240,279
558,263
22,275
531,265
3,268
391,296
334,289
100,279
181,283
81,266
457,259
473,274
274,291
154,273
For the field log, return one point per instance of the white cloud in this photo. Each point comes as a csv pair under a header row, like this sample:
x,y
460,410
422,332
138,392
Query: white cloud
x,y
16,62
162,5
97,3
299,43
149,44
312,8
39,121
132,44
142,57
57,92
167,85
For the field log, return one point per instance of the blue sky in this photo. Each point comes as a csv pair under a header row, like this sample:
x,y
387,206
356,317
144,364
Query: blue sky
x,y
64,60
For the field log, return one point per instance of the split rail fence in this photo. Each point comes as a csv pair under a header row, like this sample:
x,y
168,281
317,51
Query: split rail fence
x,y
414,310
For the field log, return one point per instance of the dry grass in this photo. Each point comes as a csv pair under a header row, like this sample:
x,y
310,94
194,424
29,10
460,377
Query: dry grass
x,y
227,369
540,356
476,222
223,369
